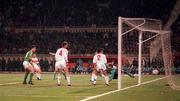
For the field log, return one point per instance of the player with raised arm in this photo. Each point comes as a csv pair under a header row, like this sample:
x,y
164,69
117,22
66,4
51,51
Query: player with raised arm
x,y
27,65
61,64
100,62
63,72
37,68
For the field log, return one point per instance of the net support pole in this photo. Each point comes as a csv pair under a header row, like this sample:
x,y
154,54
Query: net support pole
x,y
119,52
139,57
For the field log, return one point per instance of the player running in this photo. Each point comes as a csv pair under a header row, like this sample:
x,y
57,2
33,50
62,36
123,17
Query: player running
x,y
61,64
27,65
100,62
37,68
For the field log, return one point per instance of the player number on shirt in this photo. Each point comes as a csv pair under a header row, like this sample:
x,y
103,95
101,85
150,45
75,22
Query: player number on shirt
x,y
99,57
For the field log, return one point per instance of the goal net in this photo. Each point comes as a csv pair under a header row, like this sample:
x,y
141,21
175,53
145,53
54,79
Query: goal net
x,y
139,54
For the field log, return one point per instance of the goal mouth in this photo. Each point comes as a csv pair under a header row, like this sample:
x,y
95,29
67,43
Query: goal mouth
x,y
145,46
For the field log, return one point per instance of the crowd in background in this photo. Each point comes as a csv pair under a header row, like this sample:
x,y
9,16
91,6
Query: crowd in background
x,y
15,64
80,12
85,66
83,13
80,43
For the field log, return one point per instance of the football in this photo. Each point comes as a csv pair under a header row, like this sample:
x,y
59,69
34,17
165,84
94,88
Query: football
x,y
155,71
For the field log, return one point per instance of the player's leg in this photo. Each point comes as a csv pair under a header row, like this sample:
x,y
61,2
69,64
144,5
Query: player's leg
x,y
128,73
25,76
66,70
36,70
25,65
64,74
59,76
112,73
38,74
54,76
39,71
101,73
31,70
106,77
93,76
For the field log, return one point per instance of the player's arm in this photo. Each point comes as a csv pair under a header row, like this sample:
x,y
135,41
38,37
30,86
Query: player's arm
x,y
94,62
66,56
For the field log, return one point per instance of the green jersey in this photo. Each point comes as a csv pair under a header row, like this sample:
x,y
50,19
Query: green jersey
x,y
28,56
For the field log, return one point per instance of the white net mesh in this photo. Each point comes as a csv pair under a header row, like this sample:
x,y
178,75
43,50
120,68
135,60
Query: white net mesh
x,y
173,76
144,24
152,60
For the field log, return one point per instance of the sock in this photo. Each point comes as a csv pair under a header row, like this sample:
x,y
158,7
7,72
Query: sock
x,y
25,77
95,79
38,75
59,78
106,79
68,80
31,76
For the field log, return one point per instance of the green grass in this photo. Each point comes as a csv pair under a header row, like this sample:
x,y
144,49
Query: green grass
x,y
47,89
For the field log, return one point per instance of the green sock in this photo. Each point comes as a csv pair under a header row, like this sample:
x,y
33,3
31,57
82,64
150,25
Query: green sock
x,y
31,76
25,77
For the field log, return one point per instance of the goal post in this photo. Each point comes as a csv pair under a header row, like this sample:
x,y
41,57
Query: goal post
x,y
119,51
136,38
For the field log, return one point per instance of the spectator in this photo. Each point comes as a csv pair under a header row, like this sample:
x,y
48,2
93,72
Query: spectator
x,y
3,64
46,64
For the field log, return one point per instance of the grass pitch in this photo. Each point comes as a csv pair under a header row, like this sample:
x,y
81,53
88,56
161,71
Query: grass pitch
x,y
12,89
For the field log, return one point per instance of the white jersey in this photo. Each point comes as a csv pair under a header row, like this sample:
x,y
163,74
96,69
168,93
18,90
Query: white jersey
x,y
35,63
35,60
61,55
100,58
100,61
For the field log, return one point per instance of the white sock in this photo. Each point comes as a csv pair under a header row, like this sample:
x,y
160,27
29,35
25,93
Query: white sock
x,y
68,80
106,79
95,79
59,78
39,75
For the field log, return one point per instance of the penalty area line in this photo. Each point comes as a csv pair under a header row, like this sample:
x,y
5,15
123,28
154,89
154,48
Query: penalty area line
x,y
12,83
107,93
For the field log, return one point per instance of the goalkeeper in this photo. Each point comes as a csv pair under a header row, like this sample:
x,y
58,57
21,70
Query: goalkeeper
x,y
112,69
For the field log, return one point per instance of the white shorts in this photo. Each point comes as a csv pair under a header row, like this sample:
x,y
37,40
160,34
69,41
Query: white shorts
x,y
60,65
26,64
36,67
100,66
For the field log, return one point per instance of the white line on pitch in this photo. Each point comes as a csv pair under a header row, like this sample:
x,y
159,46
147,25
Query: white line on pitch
x,y
44,96
12,83
107,93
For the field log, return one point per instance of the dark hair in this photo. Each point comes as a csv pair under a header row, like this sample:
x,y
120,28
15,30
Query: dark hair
x,y
64,43
33,46
99,50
